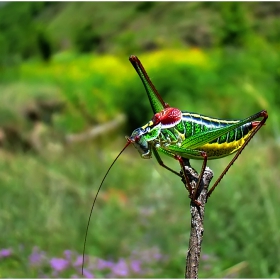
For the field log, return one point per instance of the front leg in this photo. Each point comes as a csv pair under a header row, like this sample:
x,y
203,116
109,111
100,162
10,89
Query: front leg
x,y
160,161
176,152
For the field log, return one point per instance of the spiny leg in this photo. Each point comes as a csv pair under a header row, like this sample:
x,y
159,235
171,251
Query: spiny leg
x,y
181,161
175,154
159,160
193,194
258,115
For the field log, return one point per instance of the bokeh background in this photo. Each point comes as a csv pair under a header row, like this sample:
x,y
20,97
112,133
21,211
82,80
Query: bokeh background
x,y
68,96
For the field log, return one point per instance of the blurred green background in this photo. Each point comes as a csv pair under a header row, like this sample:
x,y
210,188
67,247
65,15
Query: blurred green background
x,y
64,70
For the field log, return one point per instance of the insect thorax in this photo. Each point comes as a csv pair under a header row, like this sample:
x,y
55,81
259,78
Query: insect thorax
x,y
170,136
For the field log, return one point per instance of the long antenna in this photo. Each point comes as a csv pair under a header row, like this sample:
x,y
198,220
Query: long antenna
x,y
85,240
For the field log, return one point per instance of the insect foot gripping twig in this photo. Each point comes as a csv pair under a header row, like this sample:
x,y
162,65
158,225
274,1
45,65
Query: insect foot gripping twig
x,y
197,219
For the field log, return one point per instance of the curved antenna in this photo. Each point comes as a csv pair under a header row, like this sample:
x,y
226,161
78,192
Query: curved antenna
x,y
85,240
156,101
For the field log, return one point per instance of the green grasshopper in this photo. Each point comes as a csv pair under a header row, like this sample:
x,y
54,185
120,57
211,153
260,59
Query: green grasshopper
x,y
181,134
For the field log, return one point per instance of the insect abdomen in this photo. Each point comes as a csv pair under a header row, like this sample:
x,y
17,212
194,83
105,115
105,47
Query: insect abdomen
x,y
226,144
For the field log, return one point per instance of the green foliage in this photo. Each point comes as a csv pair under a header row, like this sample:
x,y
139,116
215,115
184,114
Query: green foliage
x,y
18,30
46,201
44,45
153,24
235,26
87,39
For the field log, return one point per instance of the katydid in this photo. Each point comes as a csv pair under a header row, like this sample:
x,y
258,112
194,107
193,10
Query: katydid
x,y
181,134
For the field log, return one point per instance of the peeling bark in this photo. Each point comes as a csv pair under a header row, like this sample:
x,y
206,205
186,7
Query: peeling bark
x,y
197,220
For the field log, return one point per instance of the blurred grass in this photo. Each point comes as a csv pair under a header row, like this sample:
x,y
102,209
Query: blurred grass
x,y
46,197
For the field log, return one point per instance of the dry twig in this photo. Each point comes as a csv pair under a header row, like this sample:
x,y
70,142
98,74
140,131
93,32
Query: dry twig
x,y
197,219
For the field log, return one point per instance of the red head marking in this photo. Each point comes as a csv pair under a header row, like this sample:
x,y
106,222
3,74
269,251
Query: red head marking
x,y
167,117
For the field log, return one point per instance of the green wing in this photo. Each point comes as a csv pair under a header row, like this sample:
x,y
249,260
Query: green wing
x,y
156,100
199,139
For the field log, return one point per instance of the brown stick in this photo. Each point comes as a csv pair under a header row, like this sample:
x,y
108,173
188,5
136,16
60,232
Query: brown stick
x,y
197,219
